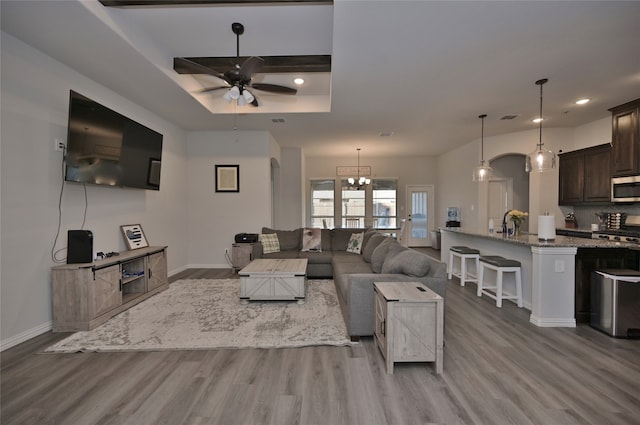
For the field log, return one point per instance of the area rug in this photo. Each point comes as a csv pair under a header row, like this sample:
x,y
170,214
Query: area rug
x,y
195,314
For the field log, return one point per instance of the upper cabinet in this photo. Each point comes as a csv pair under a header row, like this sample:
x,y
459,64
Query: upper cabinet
x,y
625,155
585,176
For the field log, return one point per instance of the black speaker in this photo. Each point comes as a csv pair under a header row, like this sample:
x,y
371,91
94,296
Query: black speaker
x,y
79,246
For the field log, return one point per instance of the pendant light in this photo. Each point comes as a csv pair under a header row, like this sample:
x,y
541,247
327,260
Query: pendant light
x,y
541,159
482,172
361,182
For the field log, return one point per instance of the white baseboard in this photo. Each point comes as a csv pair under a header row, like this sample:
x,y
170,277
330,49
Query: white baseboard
x,y
558,322
25,336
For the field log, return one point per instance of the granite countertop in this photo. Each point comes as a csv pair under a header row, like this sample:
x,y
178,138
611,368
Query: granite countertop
x,y
531,239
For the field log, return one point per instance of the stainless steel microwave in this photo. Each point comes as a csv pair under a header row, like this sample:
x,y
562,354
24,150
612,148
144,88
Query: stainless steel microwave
x,y
625,189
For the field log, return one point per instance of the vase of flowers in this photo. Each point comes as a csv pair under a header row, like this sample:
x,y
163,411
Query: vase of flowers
x,y
517,217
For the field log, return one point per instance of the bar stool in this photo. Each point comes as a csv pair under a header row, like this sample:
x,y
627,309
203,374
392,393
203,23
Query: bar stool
x,y
464,253
501,265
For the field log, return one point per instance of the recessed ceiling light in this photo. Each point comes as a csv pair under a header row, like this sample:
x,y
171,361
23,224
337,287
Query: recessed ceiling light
x,y
537,120
299,81
582,101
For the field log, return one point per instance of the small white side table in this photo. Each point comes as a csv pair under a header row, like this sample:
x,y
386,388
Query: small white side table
x,y
409,323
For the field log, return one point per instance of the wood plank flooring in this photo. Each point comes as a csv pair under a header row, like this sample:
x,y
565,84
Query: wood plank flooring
x,y
498,369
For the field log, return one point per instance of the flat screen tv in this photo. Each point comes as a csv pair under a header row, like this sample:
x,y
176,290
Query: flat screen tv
x,y
107,148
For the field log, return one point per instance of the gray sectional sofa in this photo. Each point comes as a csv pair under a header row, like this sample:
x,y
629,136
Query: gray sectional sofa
x,y
382,259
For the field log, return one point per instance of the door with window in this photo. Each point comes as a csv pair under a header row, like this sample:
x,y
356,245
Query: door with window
x,y
420,213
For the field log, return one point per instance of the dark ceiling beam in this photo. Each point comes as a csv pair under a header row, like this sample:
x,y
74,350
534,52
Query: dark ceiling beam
x,y
272,64
156,3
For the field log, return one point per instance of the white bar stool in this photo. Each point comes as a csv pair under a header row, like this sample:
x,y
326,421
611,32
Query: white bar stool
x,y
501,265
464,253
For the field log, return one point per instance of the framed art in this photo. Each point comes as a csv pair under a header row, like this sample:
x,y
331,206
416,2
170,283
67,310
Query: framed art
x,y
362,171
227,178
134,236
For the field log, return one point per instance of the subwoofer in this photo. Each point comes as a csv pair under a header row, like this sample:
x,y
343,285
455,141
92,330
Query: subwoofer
x,y
79,246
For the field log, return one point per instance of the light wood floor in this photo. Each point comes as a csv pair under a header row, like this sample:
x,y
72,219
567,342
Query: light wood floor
x,y
498,369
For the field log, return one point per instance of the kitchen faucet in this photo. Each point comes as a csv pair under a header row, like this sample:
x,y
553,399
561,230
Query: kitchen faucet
x,y
504,222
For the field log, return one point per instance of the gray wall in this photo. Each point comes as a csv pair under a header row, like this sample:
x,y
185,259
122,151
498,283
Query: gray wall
x,y
35,103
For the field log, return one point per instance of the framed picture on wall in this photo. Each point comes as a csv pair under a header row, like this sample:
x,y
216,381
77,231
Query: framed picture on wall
x,y
227,178
134,236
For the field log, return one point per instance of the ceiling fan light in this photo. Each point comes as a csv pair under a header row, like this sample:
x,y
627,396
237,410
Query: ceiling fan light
x,y
241,101
248,96
234,92
227,96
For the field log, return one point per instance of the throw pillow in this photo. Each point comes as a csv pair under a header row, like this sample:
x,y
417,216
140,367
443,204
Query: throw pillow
x,y
289,239
371,245
407,262
269,242
311,239
355,243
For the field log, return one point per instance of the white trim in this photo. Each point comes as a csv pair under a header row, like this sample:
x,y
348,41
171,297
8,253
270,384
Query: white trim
x,y
553,322
26,335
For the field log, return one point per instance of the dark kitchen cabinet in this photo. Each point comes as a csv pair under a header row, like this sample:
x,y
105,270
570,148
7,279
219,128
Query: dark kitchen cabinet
x,y
625,138
590,259
585,176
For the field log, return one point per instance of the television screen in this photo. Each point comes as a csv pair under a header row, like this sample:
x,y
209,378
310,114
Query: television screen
x,y
107,148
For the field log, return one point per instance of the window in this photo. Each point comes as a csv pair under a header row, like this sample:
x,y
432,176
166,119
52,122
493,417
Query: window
x,y
384,204
353,206
322,203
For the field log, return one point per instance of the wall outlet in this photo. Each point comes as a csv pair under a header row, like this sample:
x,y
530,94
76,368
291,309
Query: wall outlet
x,y
58,145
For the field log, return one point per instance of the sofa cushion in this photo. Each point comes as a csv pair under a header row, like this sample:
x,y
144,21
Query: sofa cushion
x,y
355,243
367,235
282,254
377,257
340,238
326,239
316,257
311,239
372,244
270,243
289,239
407,261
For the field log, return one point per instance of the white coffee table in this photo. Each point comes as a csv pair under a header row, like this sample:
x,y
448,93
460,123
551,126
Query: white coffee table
x,y
274,279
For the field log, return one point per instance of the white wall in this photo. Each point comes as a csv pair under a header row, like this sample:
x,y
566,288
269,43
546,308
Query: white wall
x,y
215,218
291,212
35,101
456,187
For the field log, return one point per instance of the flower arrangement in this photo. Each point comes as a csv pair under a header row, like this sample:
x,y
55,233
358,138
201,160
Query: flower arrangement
x,y
518,217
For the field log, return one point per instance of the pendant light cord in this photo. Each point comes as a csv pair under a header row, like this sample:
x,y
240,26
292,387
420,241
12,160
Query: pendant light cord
x,y
482,117
540,83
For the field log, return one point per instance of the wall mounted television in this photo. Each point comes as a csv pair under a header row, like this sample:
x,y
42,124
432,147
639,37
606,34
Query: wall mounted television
x,y
107,148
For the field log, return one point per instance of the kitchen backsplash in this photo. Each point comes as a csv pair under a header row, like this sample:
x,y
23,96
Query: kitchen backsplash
x,y
585,215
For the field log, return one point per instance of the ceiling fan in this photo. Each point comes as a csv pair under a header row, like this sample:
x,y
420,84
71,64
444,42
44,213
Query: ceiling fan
x,y
238,79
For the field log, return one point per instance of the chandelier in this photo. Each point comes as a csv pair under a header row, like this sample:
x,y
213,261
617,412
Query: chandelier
x,y
540,159
361,182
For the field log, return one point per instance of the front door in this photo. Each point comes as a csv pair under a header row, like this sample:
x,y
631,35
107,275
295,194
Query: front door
x,y
420,207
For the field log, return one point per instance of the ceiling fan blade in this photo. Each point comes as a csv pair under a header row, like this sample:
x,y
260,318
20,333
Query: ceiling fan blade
x,y
274,88
208,89
250,67
197,68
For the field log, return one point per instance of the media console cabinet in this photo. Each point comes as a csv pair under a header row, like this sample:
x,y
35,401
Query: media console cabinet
x,y
87,295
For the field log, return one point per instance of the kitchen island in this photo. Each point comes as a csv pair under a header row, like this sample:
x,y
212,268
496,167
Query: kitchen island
x,y
548,268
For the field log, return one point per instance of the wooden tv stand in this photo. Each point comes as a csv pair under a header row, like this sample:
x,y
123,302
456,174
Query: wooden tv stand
x,y
87,295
